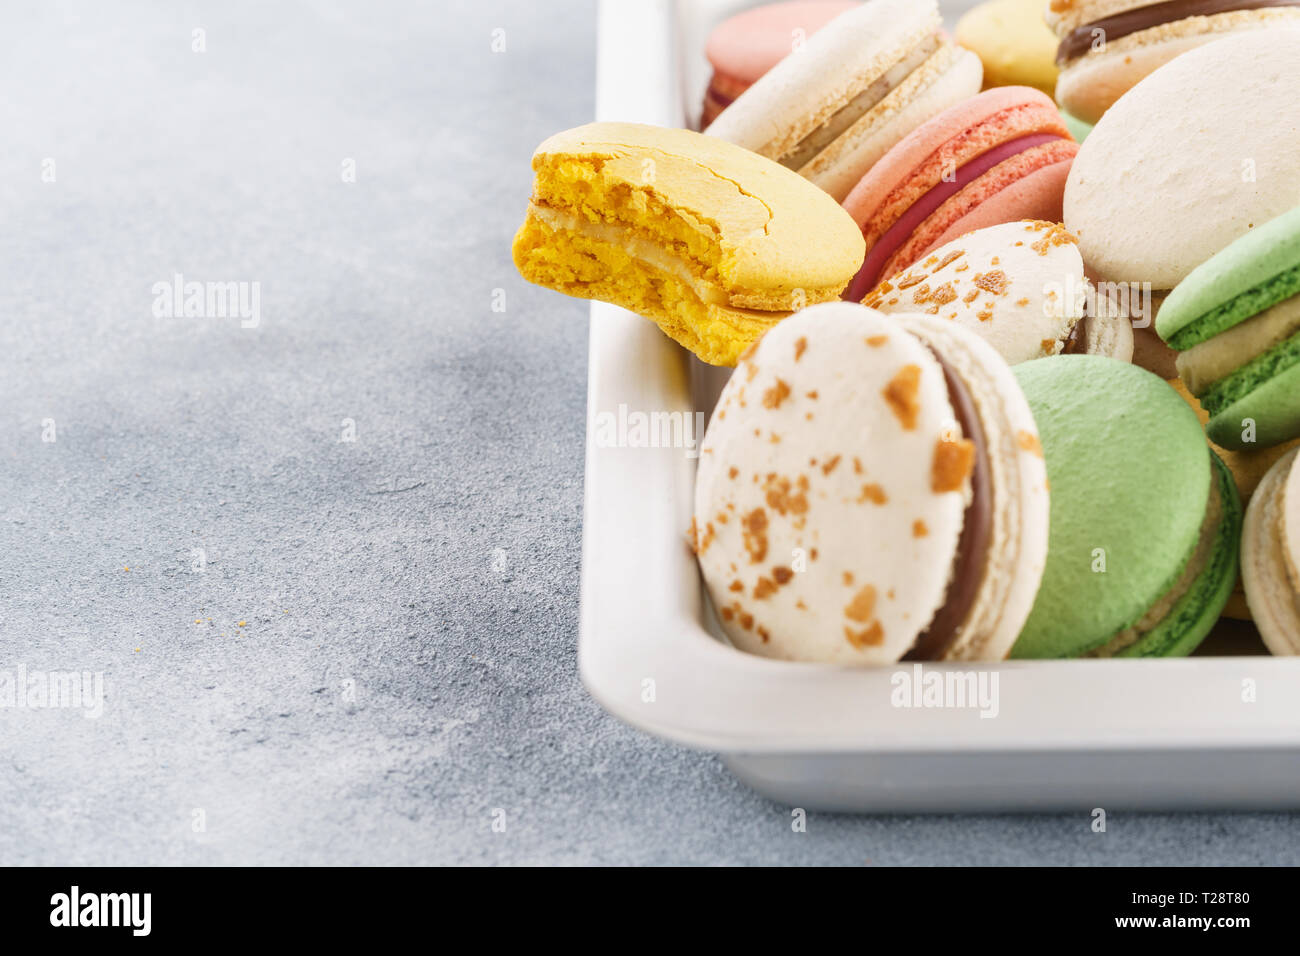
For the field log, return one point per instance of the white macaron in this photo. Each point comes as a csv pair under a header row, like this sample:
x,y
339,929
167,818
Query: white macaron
x,y
1020,286
1196,155
871,489
865,80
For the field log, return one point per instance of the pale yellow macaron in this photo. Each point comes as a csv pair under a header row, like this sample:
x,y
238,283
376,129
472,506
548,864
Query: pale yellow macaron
x,y
714,243
1013,41
1270,556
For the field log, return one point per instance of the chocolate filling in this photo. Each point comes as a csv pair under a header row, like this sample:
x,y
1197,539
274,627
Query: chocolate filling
x,y
1079,40
976,534
1075,343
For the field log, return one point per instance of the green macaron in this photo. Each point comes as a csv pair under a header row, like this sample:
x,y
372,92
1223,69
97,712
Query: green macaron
x,y
1235,320
1145,519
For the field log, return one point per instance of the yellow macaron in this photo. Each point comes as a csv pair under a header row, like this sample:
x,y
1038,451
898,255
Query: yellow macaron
x,y
714,243
1013,41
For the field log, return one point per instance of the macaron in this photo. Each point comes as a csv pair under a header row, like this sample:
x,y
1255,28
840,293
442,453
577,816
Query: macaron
x,y
857,87
870,489
1248,467
1145,519
1012,41
1108,46
1196,155
1270,556
744,47
714,243
1235,321
998,157
1019,286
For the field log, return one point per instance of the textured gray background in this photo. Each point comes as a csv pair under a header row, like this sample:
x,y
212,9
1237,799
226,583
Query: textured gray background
x,y
374,562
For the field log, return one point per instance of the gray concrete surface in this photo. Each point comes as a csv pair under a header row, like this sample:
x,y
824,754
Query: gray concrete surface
x,y
406,660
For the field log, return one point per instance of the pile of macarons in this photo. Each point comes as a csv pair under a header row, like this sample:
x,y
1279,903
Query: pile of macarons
x,y
1014,314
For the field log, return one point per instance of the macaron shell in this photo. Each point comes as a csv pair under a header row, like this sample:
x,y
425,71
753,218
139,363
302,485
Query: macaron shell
x,y
1194,615
949,140
1018,552
1014,44
1248,467
1182,165
805,89
1090,85
953,77
1206,365
1062,16
1019,286
1268,413
777,232
1248,276
928,189
1011,192
1269,557
744,47
1130,482
814,494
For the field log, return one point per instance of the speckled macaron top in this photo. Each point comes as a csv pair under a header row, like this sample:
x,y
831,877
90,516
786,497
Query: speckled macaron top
x,y
831,490
1020,286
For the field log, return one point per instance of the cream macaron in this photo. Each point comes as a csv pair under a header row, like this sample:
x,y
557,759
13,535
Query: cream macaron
x,y
1020,286
1195,156
871,489
1270,556
1109,46
835,105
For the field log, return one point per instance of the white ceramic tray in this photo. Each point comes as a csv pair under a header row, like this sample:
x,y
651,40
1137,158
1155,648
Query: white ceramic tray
x,y
1200,732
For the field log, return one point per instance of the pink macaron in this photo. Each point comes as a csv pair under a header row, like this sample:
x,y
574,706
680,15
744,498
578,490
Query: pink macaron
x,y
744,47
1001,156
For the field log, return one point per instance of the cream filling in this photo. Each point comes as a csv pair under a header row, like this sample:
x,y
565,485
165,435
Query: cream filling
x,y
849,114
1214,359
1200,560
639,248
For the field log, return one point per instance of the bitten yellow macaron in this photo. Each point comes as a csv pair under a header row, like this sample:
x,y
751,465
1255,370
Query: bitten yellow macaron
x,y
714,243
1013,41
